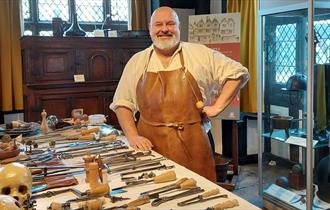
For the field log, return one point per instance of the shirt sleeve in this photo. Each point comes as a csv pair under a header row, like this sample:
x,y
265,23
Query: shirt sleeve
x,y
224,68
125,94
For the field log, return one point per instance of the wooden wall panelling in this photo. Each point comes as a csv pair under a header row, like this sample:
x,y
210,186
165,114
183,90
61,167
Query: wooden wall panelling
x,y
99,64
49,65
52,64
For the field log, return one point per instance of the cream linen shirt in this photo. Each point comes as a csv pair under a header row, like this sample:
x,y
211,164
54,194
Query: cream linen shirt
x,y
210,69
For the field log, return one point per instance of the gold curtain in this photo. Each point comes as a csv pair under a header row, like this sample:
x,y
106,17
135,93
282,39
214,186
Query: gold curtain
x,y
321,104
11,94
139,15
248,49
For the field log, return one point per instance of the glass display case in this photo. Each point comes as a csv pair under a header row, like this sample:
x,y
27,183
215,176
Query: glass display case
x,y
294,105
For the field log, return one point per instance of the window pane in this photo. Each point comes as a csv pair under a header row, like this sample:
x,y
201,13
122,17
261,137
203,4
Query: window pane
x,y
89,11
46,33
53,8
285,48
119,10
27,33
322,33
89,34
26,9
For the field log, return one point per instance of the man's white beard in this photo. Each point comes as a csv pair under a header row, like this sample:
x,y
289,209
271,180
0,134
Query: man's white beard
x,y
165,45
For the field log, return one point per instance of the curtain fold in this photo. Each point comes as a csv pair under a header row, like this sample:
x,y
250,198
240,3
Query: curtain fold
x,y
11,96
248,49
321,104
139,19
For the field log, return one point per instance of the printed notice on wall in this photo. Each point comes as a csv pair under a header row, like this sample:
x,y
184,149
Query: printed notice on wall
x,y
79,78
220,32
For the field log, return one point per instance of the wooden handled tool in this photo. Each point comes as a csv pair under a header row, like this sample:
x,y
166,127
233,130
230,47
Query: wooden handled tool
x,y
81,134
95,204
177,184
164,199
100,189
91,130
86,137
188,184
109,138
58,206
224,205
210,193
138,202
164,177
202,198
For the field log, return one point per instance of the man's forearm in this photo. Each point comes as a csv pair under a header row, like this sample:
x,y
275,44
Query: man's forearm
x,y
228,93
126,121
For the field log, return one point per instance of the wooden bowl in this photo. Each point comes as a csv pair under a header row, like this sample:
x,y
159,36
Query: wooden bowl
x,y
9,154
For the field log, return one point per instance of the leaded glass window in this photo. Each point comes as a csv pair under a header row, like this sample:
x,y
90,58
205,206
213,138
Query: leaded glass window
x,y
282,47
90,11
92,14
26,9
47,9
322,34
285,46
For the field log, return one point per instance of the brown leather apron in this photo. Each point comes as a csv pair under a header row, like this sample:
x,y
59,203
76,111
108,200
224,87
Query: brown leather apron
x,y
170,120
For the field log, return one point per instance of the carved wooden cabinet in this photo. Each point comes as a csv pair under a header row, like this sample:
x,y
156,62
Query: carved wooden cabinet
x,y
49,66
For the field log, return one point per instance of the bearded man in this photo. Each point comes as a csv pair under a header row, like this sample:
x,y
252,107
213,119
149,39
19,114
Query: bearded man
x,y
170,84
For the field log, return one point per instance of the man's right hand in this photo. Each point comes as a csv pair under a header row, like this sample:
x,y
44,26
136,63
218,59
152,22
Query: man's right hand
x,y
140,143
126,121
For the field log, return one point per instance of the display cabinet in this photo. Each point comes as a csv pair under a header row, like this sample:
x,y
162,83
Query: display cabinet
x,y
294,105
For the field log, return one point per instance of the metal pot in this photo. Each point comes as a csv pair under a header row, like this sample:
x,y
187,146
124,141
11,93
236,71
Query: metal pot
x,y
280,122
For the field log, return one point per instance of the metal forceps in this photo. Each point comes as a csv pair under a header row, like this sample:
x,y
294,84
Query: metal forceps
x,y
203,197
161,200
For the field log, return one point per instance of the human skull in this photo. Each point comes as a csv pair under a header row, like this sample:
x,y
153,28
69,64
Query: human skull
x,y
16,181
9,203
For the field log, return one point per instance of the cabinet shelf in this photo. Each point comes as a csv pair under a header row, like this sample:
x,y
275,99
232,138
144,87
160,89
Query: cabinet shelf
x,y
279,135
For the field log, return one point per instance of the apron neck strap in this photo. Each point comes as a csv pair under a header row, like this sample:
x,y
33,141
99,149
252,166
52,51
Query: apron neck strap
x,y
150,54
181,58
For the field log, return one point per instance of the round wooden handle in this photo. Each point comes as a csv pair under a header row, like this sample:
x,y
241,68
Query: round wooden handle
x,y
210,193
181,181
226,205
132,208
100,189
88,159
110,138
165,177
188,184
93,174
91,130
86,137
56,206
94,204
140,201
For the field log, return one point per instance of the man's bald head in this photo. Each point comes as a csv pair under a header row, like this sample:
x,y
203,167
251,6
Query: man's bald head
x,y
164,29
165,10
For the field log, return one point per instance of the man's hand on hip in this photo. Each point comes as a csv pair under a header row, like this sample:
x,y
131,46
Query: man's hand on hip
x,y
211,111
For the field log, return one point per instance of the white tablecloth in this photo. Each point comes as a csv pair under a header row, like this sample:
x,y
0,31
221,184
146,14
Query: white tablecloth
x,y
134,192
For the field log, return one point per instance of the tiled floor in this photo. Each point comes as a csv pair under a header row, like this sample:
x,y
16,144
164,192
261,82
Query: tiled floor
x,y
247,184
